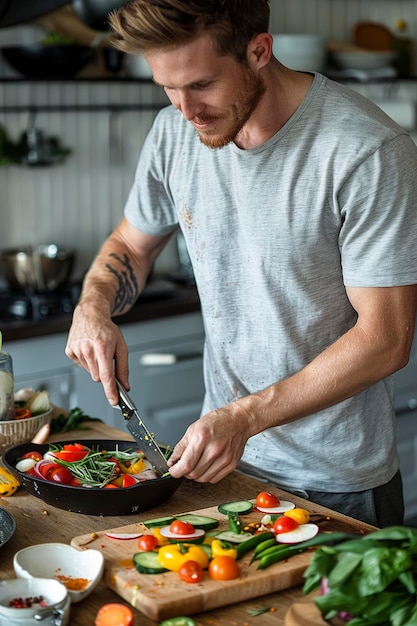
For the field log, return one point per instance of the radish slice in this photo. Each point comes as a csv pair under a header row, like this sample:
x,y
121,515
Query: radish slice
x,y
303,532
123,536
165,532
284,505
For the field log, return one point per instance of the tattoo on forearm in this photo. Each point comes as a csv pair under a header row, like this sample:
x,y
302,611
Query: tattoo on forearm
x,y
128,290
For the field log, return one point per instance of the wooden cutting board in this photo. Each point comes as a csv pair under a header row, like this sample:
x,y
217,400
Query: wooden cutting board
x,y
160,596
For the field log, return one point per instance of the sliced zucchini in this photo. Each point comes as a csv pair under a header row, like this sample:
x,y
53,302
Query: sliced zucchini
x,y
243,507
159,521
228,535
147,563
199,521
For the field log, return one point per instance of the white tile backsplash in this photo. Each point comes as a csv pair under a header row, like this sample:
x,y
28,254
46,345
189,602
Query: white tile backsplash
x,y
78,202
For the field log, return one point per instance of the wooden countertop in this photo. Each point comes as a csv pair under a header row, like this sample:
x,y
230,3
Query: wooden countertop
x,y
40,523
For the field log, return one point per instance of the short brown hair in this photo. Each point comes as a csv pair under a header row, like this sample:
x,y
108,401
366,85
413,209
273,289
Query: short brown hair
x,y
144,25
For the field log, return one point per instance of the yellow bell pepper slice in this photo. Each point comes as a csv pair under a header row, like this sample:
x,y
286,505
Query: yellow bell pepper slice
x,y
220,548
8,483
134,468
174,555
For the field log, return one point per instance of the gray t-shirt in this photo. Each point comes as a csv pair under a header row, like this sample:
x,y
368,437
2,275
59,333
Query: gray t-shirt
x,y
274,235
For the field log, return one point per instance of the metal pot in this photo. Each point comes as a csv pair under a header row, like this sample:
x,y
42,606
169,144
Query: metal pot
x,y
41,269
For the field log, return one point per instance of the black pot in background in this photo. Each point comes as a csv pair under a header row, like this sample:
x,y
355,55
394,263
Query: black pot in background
x,y
42,269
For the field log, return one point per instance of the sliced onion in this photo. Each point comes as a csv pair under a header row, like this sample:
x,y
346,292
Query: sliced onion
x,y
38,467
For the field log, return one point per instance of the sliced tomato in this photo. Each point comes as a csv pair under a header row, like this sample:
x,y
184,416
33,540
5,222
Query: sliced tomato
x,y
178,527
33,454
191,572
128,480
70,455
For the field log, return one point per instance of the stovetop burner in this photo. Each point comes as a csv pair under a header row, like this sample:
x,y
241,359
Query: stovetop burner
x,y
16,305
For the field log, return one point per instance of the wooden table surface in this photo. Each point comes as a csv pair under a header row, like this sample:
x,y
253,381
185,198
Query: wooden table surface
x,y
40,523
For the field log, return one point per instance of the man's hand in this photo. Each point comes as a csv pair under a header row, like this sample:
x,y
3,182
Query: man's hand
x,y
96,344
211,447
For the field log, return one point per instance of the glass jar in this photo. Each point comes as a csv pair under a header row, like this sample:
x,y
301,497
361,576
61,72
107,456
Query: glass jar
x,y
6,387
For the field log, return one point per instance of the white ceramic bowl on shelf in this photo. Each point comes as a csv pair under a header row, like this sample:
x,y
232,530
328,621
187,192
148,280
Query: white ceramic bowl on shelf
x,y
51,560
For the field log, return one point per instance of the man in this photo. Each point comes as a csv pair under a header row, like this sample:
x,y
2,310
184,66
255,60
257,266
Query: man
x,y
296,197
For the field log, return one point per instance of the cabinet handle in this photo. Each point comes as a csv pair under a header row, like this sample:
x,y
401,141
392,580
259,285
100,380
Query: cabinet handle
x,y
167,358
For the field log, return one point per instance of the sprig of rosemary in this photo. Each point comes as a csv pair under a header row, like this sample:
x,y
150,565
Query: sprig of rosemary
x,y
92,470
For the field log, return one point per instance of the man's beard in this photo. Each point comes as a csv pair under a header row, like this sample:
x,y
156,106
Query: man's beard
x,y
254,89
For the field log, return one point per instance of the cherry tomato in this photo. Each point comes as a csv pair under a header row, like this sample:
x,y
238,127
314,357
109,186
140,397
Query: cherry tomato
x,y
34,454
60,475
284,524
191,572
223,567
146,543
42,467
267,500
300,515
178,527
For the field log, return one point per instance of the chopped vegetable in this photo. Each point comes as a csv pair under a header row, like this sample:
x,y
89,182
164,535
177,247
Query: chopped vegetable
x,y
8,483
284,524
219,547
174,555
198,521
283,506
243,507
303,532
159,522
228,535
250,544
114,614
302,516
235,523
148,563
195,534
123,536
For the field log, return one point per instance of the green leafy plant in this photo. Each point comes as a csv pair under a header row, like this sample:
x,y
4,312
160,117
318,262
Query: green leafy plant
x,y
372,579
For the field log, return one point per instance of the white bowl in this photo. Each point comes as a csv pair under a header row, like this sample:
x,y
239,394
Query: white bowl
x,y
362,59
51,560
14,432
53,592
304,52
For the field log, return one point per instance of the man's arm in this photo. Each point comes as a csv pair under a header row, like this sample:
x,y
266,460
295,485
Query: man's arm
x,y
376,346
111,286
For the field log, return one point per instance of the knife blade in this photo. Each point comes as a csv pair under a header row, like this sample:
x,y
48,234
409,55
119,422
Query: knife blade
x,y
140,432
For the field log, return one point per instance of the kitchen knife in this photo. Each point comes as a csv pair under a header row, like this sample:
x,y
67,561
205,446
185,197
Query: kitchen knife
x,y
140,432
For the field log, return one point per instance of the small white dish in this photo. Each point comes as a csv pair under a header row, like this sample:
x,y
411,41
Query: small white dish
x,y
55,597
55,560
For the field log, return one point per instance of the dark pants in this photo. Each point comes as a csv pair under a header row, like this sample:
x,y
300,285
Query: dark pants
x,y
381,507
